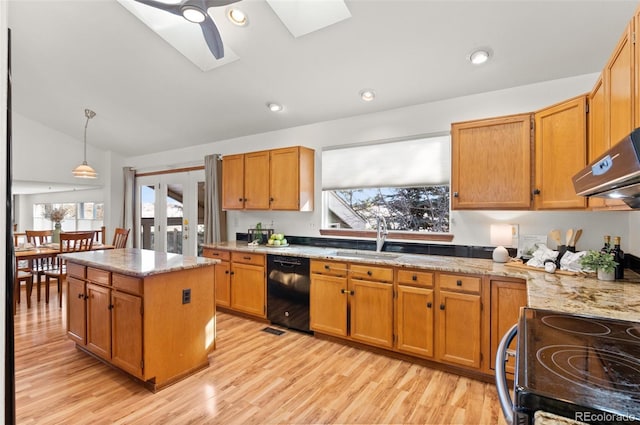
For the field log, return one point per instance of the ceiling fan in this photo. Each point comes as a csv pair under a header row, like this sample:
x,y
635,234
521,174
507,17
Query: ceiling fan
x,y
196,11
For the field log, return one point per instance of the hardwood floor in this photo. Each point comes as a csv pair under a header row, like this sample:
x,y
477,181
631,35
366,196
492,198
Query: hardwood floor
x,y
254,378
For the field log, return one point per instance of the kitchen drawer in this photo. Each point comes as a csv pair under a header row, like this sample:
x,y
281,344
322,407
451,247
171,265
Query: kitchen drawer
x,y
76,270
220,254
130,284
367,272
463,283
329,268
415,277
247,258
99,276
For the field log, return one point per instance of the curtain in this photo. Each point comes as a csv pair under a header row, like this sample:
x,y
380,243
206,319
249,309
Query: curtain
x,y
129,204
215,220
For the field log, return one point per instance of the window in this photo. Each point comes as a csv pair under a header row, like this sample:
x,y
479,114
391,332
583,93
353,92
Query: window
x,y
407,182
79,216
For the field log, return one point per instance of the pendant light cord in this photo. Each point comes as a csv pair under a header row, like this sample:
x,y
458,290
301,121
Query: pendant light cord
x,y
89,114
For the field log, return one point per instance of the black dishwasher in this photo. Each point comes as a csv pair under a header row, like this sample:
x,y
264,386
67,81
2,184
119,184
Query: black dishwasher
x,y
288,284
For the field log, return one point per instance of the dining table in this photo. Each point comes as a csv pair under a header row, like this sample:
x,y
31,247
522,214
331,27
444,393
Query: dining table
x,y
29,253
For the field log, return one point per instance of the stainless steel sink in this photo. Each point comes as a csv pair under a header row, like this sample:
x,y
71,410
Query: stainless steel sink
x,y
367,255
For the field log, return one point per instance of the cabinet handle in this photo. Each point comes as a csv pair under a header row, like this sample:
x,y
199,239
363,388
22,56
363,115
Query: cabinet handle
x,y
459,282
536,191
429,305
226,272
110,307
327,267
80,296
271,200
441,306
455,194
369,273
352,292
215,253
244,199
86,297
246,257
343,291
239,199
414,277
232,273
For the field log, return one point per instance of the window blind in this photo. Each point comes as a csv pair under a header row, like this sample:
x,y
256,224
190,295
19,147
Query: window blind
x,y
417,162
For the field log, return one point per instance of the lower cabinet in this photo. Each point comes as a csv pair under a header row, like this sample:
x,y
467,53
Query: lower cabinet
x,y
222,275
126,332
99,320
459,320
415,312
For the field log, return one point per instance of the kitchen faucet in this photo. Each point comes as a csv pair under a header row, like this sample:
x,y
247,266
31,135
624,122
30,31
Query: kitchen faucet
x,y
381,233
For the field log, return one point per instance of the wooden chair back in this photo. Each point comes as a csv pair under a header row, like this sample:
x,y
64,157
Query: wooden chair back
x,y
120,237
38,237
76,241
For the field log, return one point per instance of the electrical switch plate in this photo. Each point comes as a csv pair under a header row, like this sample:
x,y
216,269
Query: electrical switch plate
x,y
186,296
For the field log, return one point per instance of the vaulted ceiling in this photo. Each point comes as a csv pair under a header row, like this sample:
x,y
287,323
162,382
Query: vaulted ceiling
x,y
70,55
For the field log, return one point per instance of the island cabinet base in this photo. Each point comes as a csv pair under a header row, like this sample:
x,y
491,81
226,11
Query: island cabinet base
x,y
158,328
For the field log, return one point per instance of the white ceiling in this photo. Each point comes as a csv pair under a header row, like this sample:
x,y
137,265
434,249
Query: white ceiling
x,y
70,55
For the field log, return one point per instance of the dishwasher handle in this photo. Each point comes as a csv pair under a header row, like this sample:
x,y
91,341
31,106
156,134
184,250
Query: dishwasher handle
x,y
501,374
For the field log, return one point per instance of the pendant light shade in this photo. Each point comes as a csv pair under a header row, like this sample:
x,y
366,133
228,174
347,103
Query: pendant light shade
x,y
84,170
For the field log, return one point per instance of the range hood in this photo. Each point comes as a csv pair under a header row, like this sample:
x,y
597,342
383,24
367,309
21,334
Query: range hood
x,y
615,174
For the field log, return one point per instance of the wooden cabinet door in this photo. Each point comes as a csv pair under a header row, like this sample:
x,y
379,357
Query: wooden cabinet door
x,y
459,325
233,182
414,320
561,151
371,314
256,180
223,283
598,140
285,179
619,83
126,330
76,310
248,289
506,299
328,304
99,320
491,163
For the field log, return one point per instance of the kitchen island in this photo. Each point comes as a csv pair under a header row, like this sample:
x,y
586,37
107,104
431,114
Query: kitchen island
x,y
150,314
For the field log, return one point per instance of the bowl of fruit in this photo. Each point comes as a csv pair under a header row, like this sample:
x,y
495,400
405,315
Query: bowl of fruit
x,y
277,240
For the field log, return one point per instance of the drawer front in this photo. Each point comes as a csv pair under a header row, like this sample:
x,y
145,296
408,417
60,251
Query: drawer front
x,y
76,270
130,284
415,277
247,258
329,268
460,283
99,276
366,272
220,254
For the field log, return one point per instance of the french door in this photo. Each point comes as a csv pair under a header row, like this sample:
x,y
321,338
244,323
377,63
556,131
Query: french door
x,y
170,212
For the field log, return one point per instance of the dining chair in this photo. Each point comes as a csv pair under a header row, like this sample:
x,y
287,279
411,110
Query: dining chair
x,y
120,237
69,242
38,238
24,275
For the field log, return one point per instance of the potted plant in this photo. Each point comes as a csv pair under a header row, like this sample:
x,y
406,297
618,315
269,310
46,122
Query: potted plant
x,y
56,215
600,262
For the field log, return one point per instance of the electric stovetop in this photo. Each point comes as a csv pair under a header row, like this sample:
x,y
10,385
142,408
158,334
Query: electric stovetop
x,y
584,368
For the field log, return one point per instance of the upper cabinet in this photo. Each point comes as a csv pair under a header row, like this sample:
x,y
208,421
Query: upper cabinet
x,y
278,179
561,152
491,163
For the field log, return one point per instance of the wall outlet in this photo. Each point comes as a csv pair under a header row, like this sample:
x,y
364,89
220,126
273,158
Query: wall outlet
x,y
186,296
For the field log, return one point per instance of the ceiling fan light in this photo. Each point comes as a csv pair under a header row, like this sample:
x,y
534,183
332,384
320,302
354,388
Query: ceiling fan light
x,y
193,14
479,57
237,17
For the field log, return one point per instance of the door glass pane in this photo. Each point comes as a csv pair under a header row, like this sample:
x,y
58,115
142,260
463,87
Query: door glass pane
x,y
147,215
175,214
200,217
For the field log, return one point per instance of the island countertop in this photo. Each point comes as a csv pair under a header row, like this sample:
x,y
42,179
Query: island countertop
x,y
137,262
572,294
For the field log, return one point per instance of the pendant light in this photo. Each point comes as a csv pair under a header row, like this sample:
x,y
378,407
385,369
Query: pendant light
x,y
84,170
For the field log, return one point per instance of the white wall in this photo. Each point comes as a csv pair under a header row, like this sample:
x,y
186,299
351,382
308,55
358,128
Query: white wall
x,y
3,192
469,227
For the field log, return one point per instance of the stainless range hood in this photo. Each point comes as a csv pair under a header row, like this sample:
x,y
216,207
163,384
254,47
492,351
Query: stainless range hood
x,y
615,174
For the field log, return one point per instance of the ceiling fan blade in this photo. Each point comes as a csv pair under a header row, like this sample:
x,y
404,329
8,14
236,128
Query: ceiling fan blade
x,y
171,8
212,37
217,3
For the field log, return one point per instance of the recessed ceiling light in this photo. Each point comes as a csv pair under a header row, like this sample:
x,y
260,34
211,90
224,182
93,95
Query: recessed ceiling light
x,y
237,16
193,14
274,107
367,95
478,57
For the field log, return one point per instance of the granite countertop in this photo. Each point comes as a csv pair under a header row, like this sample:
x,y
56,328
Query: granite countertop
x,y
137,262
572,294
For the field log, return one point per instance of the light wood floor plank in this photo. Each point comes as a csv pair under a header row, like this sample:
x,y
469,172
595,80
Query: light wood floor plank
x,y
254,378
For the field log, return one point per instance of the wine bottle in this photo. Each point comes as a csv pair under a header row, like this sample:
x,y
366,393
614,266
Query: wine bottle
x,y
607,244
618,256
